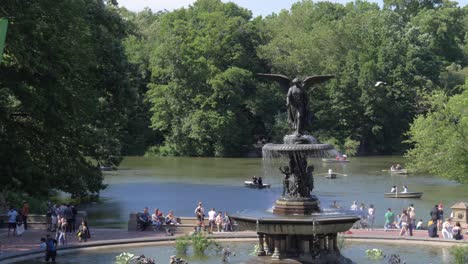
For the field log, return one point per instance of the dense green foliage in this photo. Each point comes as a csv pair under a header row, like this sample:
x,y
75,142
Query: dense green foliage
x,y
440,137
84,82
202,65
64,95
205,99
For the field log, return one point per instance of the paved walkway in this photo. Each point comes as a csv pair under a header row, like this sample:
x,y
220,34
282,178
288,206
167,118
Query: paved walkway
x,y
30,240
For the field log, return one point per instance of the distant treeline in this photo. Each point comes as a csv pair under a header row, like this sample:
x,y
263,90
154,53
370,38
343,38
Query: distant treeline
x,y
85,82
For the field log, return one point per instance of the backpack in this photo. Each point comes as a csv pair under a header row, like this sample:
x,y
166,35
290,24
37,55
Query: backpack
x,y
50,245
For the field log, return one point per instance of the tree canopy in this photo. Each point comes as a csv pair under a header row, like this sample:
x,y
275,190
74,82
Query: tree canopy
x,y
440,137
64,95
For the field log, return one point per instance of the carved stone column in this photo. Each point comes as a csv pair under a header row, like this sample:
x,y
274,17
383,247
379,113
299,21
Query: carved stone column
x,y
261,249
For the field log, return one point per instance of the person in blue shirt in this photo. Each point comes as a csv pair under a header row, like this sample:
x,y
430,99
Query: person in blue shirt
x,y
12,214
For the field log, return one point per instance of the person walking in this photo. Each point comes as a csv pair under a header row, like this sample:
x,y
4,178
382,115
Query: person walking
x,y
24,214
83,232
12,214
404,222
389,219
51,249
371,217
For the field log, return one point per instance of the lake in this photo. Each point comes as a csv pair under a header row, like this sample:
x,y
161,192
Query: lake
x,y
178,183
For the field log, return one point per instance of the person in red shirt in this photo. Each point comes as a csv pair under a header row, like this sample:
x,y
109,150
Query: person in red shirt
x,y
25,213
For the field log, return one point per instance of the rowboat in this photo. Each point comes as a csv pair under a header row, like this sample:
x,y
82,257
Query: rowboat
x,y
334,161
403,195
251,184
404,171
330,175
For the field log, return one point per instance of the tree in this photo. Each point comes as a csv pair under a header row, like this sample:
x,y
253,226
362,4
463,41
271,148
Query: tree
x,y
64,96
202,79
440,137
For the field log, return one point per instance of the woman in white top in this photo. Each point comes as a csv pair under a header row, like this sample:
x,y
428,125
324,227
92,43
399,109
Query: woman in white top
x,y
447,229
404,222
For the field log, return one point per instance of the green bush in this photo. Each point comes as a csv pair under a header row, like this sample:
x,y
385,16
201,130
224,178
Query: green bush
x,y
182,244
201,243
459,254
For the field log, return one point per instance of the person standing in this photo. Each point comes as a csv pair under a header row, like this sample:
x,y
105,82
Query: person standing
x,y
219,221
73,220
62,231
12,214
51,249
371,217
211,219
25,213
68,215
200,212
440,216
83,232
389,219
412,219
404,222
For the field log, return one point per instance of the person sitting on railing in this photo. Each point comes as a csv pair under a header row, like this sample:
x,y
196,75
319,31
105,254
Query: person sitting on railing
x,y
155,220
171,219
143,219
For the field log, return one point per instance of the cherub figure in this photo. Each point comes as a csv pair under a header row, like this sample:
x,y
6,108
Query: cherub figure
x,y
285,170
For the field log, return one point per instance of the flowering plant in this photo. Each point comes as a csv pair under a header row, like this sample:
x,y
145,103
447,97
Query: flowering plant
x,y
374,253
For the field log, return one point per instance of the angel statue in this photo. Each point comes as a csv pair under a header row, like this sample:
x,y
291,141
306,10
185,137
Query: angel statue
x,y
299,115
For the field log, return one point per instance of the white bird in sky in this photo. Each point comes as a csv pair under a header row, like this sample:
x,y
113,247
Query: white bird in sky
x,y
379,83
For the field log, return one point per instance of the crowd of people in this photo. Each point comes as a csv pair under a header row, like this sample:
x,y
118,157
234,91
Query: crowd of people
x,y
407,221
60,219
217,220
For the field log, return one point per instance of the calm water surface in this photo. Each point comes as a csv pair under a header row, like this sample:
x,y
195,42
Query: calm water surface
x,y
170,183
354,251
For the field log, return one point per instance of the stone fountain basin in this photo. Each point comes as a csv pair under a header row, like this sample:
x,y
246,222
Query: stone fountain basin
x,y
296,224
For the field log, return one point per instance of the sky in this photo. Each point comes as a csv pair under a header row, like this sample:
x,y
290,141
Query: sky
x,y
258,7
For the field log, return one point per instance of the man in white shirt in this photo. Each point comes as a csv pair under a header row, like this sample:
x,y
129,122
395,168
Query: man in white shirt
x,y
354,206
211,219
12,214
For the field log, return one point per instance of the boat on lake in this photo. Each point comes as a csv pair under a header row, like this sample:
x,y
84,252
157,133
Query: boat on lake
x,y
335,161
251,184
403,171
330,175
106,168
403,195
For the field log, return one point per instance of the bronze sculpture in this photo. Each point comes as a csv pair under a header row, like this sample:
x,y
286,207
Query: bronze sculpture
x,y
299,115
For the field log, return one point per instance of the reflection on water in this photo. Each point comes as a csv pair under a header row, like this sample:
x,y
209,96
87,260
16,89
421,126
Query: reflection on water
x,y
355,251
178,184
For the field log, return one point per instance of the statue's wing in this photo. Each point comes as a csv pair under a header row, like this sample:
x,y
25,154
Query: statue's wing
x,y
311,80
283,81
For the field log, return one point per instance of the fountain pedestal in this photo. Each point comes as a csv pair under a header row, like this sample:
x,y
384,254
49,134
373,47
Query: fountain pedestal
x,y
303,206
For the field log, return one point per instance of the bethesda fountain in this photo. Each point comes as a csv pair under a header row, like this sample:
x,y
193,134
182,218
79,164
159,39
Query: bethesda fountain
x,y
297,230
